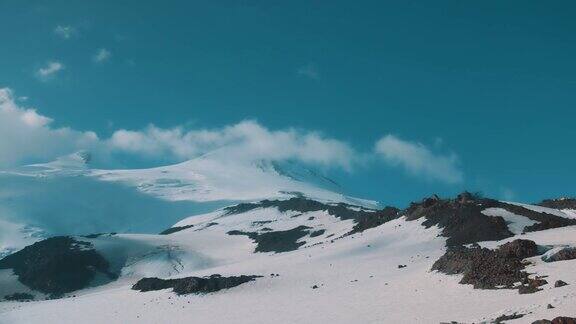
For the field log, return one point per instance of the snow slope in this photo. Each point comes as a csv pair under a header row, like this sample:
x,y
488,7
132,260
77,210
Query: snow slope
x,y
215,178
68,196
357,275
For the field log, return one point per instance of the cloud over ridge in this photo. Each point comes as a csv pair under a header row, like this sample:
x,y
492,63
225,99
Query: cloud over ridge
x,y
27,136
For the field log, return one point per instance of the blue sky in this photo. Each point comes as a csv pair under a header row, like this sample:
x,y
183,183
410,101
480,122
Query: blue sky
x,y
484,92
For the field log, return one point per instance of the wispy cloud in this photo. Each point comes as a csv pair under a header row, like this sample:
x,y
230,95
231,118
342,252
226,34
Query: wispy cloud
x,y
102,55
309,71
419,160
507,194
49,70
65,32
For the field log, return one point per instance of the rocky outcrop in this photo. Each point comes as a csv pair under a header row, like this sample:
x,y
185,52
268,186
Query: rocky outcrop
x,y
520,249
276,241
175,229
57,265
490,269
462,221
19,297
557,320
366,221
543,220
561,203
503,318
568,253
364,218
317,233
193,285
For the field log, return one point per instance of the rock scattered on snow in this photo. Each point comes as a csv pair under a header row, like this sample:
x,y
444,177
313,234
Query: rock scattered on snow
x,y
193,285
503,318
19,297
560,283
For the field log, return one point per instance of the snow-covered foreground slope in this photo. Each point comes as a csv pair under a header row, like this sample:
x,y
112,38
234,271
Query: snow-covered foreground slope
x,y
328,271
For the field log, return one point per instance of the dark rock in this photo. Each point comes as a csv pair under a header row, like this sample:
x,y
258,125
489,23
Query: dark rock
x,y
175,229
57,265
560,283
315,287
564,320
519,249
544,220
461,219
364,218
192,285
401,266
19,297
277,241
463,222
209,225
483,268
491,269
317,233
256,223
562,203
557,320
97,235
371,220
568,253
549,306
502,318
531,286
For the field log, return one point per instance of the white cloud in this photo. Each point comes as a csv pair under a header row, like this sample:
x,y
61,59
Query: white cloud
x,y
27,136
309,71
102,55
66,32
247,140
419,160
49,70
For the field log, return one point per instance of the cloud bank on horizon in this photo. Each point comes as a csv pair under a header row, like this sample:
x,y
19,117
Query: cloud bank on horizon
x,y
27,136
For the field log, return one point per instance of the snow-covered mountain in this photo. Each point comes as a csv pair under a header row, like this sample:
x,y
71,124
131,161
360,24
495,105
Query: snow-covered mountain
x,y
69,196
274,243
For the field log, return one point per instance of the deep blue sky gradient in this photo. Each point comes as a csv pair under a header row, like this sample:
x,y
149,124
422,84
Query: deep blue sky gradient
x,y
495,80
